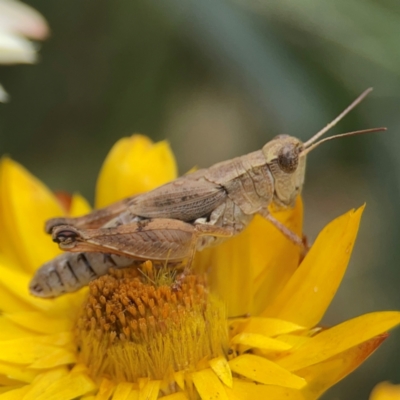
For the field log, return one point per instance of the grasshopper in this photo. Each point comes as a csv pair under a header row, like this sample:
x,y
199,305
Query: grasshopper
x,y
224,197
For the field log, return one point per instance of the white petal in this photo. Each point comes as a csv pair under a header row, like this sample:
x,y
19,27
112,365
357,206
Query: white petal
x,y
17,17
4,97
15,49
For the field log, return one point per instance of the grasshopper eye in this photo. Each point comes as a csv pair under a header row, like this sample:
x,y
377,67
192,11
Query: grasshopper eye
x,y
288,159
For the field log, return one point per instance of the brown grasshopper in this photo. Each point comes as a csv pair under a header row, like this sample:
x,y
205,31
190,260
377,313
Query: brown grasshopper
x,y
225,196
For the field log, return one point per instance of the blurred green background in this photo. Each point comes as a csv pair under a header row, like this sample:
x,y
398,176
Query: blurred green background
x,y
218,79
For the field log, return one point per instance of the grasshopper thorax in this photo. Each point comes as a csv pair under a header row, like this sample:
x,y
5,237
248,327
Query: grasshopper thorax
x,y
287,167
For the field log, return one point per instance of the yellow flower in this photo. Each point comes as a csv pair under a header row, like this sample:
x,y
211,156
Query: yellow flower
x,y
149,336
385,391
134,165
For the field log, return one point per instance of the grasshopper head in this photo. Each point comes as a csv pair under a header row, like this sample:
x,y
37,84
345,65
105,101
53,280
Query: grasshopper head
x,y
286,157
287,167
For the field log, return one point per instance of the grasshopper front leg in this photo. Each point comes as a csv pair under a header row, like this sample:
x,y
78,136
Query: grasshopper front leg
x,y
292,236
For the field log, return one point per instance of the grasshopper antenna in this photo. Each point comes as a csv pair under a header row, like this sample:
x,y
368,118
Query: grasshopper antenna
x,y
357,101
312,147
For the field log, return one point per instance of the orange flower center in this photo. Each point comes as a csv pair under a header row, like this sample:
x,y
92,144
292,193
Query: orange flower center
x,y
137,324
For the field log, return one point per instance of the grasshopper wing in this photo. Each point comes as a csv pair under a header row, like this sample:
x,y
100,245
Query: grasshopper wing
x,y
185,199
95,219
159,239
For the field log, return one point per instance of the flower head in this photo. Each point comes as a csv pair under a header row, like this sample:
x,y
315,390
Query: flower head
x,y
242,325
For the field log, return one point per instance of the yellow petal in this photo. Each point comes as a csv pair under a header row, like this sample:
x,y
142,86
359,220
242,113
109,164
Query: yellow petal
x,y
340,338
122,391
14,292
310,290
66,388
134,165
275,256
16,394
17,372
256,263
295,341
179,378
8,383
255,340
57,339
385,391
54,359
267,326
150,390
265,371
79,206
208,385
6,386
106,389
28,350
221,367
320,377
43,380
243,390
9,330
134,395
175,396
40,322
25,205
79,369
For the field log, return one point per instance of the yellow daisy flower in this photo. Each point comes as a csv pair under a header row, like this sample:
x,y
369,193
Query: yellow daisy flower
x,y
243,326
